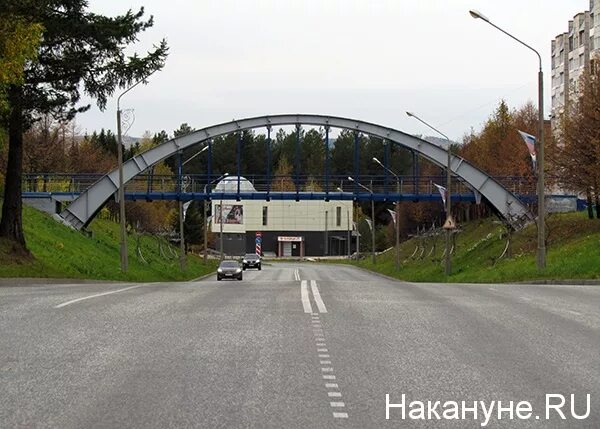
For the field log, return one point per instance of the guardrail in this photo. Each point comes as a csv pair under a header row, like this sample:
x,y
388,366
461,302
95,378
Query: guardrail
x,y
198,183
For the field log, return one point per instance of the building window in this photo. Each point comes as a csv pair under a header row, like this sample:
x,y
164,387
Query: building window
x,y
265,215
338,216
570,43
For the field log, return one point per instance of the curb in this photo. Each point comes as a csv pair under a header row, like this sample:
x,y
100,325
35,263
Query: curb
x,y
44,281
582,282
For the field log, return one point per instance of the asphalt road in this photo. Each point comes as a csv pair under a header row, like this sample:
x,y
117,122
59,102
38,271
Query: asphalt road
x,y
294,346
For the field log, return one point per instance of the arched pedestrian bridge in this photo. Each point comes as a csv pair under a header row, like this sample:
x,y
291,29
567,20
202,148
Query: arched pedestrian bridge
x,y
82,210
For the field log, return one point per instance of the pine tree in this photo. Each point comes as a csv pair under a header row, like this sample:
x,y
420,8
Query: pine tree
x,y
79,51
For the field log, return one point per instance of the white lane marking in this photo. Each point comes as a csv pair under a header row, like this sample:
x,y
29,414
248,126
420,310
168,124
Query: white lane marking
x,y
324,356
575,312
64,304
297,274
331,385
325,362
322,350
337,404
327,369
304,297
328,377
321,344
334,394
340,415
317,296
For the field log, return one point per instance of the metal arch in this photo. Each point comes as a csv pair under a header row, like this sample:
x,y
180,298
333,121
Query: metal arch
x,y
82,210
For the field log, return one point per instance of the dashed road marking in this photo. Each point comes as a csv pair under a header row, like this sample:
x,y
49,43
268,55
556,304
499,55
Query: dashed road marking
x,y
327,372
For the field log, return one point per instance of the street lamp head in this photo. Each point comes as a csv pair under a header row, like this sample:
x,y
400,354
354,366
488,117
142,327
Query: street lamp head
x,y
340,189
203,149
410,114
350,179
478,15
376,160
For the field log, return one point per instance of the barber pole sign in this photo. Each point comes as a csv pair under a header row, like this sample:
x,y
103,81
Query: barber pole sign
x,y
258,243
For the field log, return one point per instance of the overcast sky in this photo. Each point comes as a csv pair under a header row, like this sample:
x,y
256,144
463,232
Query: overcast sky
x,y
364,59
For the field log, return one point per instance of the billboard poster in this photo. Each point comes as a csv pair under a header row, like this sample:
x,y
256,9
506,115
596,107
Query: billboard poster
x,y
232,213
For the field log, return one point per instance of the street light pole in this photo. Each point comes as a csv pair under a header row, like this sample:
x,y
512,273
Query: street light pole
x,y
121,191
206,216
397,211
447,258
372,218
541,186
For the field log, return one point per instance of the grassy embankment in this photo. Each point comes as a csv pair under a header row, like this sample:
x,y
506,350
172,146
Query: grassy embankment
x,y
573,253
60,252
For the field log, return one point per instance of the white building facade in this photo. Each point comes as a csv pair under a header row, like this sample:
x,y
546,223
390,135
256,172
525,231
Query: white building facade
x,y
283,228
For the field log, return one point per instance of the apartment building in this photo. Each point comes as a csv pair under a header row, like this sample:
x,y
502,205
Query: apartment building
x,y
572,53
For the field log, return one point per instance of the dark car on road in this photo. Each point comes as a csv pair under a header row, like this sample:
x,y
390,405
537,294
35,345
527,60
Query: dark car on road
x,y
229,270
251,260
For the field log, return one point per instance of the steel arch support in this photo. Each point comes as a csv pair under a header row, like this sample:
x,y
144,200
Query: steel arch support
x,y
82,210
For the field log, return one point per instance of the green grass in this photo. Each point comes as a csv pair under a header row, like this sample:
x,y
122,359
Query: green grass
x,y
573,253
60,252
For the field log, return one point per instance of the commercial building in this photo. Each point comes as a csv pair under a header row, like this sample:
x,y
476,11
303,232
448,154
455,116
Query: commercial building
x,y
572,53
283,227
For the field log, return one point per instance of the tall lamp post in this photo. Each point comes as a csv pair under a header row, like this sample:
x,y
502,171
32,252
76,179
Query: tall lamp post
x,y
182,256
448,260
206,216
121,191
372,218
397,211
541,248
349,235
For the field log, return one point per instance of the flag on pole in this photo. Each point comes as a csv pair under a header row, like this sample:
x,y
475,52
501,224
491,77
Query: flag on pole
x,y
443,191
393,215
477,196
185,208
530,142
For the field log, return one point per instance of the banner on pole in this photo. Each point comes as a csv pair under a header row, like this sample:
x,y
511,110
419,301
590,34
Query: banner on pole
x,y
443,192
393,215
530,142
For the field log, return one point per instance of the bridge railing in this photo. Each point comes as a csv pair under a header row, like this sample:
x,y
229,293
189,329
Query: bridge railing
x,y
197,183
